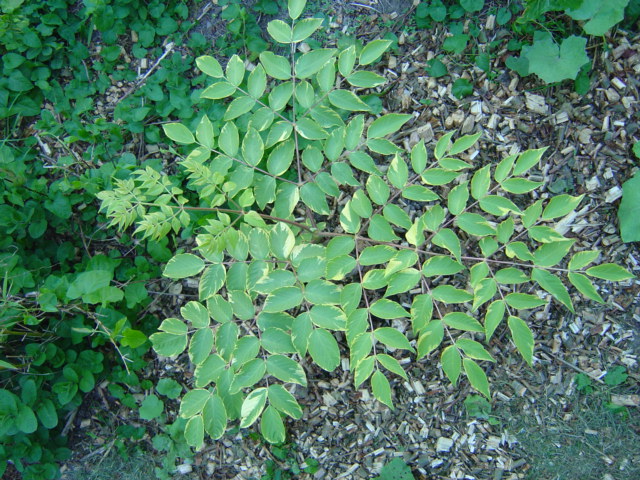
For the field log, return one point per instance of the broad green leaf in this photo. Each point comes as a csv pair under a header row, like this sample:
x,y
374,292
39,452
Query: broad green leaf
x,y
197,313
449,294
441,265
295,8
305,28
438,176
218,90
443,145
280,158
560,205
396,215
523,301
183,265
257,82
353,132
381,388
214,416
364,79
239,106
209,371
511,276
229,140
313,61
347,100
387,124
276,66
451,363
464,143
421,312
361,204
498,206
281,240
300,332
457,198
419,193
339,267
398,173
373,50
553,285
376,255
193,402
178,133
532,213
363,161
380,230
226,338
329,317
248,375
346,61
360,347
324,349
483,292
26,420
252,147
447,239
503,169
283,401
462,321
520,185
282,299
582,259
584,286
201,345
209,66
392,338
552,63
326,77
314,198
527,160
550,254
387,309
473,349
252,407
280,31
378,190
522,337
310,130
493,317
204,132
474,224
419,157
391,364
430,338
609,271
477,377
363,370
600,16
235,70
519,250
629,209
194,431
286,369
543,234
168,344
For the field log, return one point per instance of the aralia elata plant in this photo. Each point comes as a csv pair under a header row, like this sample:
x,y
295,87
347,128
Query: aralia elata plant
x,y
320,236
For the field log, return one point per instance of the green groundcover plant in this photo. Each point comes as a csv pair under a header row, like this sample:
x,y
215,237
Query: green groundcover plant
x,y
321,240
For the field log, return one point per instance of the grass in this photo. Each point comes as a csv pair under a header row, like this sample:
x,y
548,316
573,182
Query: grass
x,y
134,466
580,438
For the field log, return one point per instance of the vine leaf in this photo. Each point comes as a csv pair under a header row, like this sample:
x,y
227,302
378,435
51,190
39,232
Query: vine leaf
x,y
552,63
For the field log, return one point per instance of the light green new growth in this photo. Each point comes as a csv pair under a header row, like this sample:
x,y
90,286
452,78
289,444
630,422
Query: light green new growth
x,y
321,238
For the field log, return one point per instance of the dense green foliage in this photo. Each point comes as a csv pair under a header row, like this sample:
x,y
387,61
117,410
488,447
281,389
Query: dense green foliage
x,y
319,238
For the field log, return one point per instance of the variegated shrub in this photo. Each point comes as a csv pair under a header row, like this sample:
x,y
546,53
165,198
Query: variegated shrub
x,y
319,239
